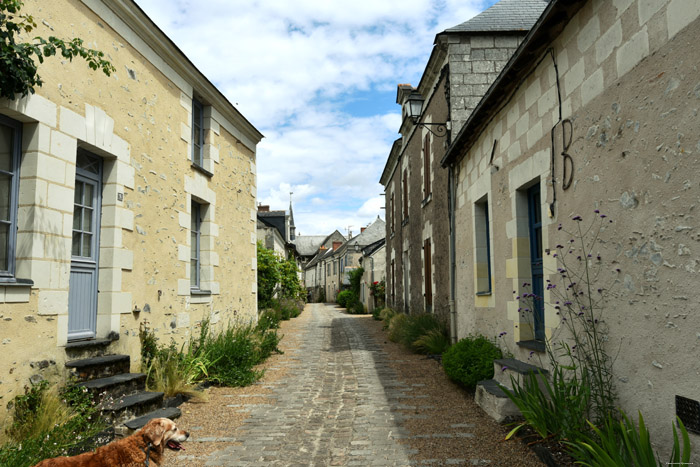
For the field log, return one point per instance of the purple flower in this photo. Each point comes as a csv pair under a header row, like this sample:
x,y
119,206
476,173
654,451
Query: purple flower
x,y
603,216
560,246
576,218
559,227
597,211
502,334
504,368
554,255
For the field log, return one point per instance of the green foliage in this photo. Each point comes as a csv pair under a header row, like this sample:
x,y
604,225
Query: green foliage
x,y
277,278
227,358
290,285
378,291
344,297
269,319
268,275
48,423
397,327
621,443
470,360
357,308
287,308
417,326
559,410
386,315
322,296
433,342
19,71
355,277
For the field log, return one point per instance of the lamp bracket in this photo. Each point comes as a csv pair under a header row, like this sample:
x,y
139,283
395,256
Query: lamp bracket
x,y
440,128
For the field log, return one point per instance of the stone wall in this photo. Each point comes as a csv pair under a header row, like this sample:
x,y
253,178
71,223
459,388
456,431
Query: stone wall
x,y
139,122
630,88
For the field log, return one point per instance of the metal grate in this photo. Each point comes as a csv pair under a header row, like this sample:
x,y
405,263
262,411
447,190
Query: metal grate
x,y
688,410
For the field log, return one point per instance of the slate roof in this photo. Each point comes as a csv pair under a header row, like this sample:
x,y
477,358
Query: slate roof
x,y
308,245
506,15
372,233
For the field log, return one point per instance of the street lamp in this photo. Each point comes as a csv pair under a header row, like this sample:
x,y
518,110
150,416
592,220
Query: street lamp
x,y
414,105
357,247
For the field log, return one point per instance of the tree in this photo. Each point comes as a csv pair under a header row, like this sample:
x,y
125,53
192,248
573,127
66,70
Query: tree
x,y
19,71
268,275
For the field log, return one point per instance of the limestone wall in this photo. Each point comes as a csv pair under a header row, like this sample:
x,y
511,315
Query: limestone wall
x,y
139,122
630,88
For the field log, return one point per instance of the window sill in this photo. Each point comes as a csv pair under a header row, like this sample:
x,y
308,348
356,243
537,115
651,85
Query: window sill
x,y
13,282
199,168
200,292
427,199
484,294
537,346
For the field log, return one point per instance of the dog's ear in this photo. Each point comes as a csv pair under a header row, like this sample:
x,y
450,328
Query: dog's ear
x,y
154,430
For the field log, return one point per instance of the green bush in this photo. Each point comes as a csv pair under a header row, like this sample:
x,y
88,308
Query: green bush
x,y
397,327
269,319
417,326
621,442
386,315
470,360
32,440
356,308
344,297
434,342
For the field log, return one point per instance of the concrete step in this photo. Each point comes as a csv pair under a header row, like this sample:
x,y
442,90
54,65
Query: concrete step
x,y
99,367
115,386
136,423
119,410
505,368
491,398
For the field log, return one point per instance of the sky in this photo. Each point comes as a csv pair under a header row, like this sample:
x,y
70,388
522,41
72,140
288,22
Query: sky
x,y
318,78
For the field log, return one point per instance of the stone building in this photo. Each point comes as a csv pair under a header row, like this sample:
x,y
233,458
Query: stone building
x,y
595,113
132,197
316,270
373,262
464,61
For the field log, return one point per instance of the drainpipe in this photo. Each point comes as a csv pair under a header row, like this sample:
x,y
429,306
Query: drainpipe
x,y
451,208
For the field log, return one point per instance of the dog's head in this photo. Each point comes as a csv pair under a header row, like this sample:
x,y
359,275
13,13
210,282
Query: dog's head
x,y
164,431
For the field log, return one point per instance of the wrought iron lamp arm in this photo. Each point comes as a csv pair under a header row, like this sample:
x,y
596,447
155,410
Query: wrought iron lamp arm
x,y
440,128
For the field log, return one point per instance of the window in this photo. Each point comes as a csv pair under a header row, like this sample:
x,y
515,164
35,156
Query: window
x,y
427,255
197,133
10,144
426,166
196,240
392,213
405,194
482,246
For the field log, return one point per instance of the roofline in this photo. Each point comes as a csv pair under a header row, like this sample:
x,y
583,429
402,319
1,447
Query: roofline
x,y
133,17
391,161
554,17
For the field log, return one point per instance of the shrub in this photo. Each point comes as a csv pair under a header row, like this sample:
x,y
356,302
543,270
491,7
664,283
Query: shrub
x,y
470,360
48,423
620,442
386,315
434,342
397,327
417,326
269,319
357,308
344,297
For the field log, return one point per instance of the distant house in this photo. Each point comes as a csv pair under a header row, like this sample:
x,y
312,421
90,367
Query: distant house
x,y
126,199
596,110
464,61
373,261
276,230
316,270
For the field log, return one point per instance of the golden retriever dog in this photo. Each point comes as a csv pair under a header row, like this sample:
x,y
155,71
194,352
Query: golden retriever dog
x,y
143,448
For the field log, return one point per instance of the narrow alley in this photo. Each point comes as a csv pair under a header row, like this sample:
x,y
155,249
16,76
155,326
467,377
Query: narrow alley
x,y
341,394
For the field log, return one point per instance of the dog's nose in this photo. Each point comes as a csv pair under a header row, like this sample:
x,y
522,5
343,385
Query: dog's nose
x,y
187,434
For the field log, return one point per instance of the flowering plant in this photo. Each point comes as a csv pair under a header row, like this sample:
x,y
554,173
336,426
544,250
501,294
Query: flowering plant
x,y
378,291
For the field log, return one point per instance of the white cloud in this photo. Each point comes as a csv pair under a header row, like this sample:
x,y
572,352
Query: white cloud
x,y
289,66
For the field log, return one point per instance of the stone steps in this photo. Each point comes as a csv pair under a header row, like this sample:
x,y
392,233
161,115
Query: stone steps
x,y
121,395
490,396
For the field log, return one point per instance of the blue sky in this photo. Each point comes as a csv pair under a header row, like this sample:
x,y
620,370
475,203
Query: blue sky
x,y
318,78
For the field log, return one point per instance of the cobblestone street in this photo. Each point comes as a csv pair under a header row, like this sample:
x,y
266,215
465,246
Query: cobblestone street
x,y
333,398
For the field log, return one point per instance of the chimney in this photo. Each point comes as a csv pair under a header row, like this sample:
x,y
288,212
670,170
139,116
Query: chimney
x,y
262,208
362,229
336,245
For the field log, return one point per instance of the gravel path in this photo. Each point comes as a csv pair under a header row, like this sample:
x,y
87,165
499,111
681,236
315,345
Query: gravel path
x,y
341,394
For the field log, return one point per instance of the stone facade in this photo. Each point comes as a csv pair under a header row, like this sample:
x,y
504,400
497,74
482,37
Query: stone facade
x,y
621,108
138,126
461,68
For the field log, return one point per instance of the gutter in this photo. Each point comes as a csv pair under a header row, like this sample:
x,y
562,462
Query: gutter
x,y
453,256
